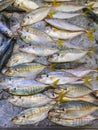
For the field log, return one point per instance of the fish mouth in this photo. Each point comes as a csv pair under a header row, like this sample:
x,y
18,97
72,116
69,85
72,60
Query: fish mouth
x,y
38,77
14,119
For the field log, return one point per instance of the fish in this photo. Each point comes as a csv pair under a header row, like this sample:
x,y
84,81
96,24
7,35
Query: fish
x,y
19,58
35,16
38,50
4,4
7,54
34,35
25,70
76,90
81,71
68,55
65,7
62,24
74,109
24,87
56,78
32,115
62,15
56,0
61,34
4,46
73,122
27,5
36,100
5,30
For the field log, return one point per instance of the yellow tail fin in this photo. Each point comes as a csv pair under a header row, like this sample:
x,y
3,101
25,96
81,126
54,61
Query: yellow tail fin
x,y
87,80
90,35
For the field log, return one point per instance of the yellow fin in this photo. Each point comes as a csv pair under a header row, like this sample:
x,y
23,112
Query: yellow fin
x,y
60,43
90,35
90,6
61,96
51,14
52,67
91,50
97,78
96,69
55,3
56,82
87,82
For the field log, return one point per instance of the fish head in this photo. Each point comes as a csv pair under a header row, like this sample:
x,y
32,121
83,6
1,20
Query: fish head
x,y
13,99
26,20
54,58
18,119
26,47
51,94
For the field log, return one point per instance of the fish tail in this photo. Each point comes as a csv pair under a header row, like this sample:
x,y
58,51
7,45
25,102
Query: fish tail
x,y
52,67
90,35
91,50
87,80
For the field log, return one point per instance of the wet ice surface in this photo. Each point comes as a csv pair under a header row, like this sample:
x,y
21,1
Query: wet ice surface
x,y
8,111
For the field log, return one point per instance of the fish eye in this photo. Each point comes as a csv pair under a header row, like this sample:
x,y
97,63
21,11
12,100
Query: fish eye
x,y
28,17
20,97
58,54
30,44
14,88
23,116
47,75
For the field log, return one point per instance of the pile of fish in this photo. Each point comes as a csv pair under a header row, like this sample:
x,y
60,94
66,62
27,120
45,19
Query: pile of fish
x,y
46,88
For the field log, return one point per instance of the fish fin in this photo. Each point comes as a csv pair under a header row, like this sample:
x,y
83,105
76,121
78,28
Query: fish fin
x,y
52,67
96,77
55,3
90,35
50,15
86,80
90,6
60,43
61,96
56,82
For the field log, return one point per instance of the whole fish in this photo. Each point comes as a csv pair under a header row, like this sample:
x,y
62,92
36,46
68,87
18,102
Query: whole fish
x,y
68,55
30,101
7,54
61,34
81,71
5,3
56,78
62,15
32,115
27,5
75,90
35,16
24,87
19,58
73,122
62,24
64,7
74,109
56,0
38,50
3,47
34,35
5,30
25,70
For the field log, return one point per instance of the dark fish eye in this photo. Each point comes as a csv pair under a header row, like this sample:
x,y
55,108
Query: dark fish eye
x,y
14,88
20,97
47,75
23,116
58,54
28,17
30,44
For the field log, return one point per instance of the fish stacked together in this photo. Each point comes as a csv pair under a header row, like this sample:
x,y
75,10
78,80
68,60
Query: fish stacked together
x,y
67,96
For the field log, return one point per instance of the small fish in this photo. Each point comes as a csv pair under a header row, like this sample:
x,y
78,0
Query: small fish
x,y
20,58
7,54
37,100
5,3
34,35
62,24
76,90
24,87
27,5
81,71
38,50
64,7
75,109
73,122
56,0
62,15
61,34
56,78
32,115
5,30
25,70
68,55
35,16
